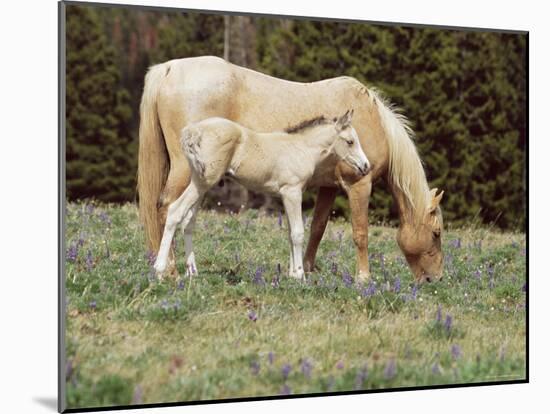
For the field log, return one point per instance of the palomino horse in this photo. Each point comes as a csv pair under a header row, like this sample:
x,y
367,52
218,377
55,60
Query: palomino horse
x,y
180,92
278,163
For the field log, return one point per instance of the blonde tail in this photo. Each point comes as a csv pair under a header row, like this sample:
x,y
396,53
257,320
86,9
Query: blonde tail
x,y
153,162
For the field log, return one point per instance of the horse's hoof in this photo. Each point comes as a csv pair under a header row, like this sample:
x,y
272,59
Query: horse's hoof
x,y
363,277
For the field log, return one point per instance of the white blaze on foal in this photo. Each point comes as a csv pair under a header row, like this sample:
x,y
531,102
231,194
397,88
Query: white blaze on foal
x,y
279,163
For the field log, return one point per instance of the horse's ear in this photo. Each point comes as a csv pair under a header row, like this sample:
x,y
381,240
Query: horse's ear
x,y
435,199
345,120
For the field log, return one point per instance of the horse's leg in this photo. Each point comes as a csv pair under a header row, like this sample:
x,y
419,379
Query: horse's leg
x,y
323,204
292,200
181,209
190,265
359,195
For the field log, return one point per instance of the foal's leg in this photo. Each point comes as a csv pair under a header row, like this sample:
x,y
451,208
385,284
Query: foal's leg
x,y
179,210
292,200
323,204
190,265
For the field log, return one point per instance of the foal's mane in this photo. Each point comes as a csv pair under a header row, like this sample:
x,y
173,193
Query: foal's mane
x,y
308,123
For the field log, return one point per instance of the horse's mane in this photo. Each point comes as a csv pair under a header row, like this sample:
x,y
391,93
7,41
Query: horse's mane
x,y
308,123
405,170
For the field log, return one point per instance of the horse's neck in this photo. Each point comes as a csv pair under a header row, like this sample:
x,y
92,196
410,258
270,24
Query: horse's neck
x,y
404,209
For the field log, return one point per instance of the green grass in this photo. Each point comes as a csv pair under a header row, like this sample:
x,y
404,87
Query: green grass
x,y
131,339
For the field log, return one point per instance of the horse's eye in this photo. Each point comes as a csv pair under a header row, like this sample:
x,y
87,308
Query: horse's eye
x,y
350,143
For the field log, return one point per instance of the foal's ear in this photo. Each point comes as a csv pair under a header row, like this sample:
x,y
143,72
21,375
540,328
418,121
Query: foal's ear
x,y
345,120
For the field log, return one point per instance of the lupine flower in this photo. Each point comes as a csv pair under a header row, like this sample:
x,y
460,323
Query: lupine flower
x,y
414,291
252,316
455,351
72,253
438,314
348,280
255,367
306,368
390,370
448,323
456,243
93,304
286,390
362,375
369,290
397,285
271,357
89,261
334,268
137,398
286,371
181,284
69,369
435,369
258,279
104,217
151,257
81,240
477,274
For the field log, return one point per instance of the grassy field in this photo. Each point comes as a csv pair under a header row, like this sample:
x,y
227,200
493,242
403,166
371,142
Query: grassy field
x,y
243,329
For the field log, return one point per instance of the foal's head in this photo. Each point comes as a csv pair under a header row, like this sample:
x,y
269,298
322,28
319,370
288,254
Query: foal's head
x,y
346,145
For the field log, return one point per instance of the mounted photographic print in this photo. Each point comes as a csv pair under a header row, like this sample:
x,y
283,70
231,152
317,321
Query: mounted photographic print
x,y
259,206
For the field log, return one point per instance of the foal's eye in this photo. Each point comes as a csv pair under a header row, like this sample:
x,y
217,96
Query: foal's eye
x,y
349,142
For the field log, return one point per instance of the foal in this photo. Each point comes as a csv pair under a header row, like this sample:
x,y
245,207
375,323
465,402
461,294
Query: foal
x,y
279,163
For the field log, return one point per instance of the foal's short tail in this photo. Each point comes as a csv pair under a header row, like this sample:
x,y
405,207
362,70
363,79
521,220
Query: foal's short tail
x,y
153,162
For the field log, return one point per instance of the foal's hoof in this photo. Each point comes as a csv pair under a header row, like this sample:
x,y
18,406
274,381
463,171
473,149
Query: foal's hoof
x,y
298,275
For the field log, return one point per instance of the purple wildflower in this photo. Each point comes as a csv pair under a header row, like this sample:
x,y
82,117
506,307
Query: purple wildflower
x,y
362,375
306,368
181,284
90,209
271,357
438,315
93,304
435,369
252,316
280,220
414,291
397,285
455,351
456,243
286,371
391,369
151,257
334,268
286,390
72,253
448,323
80,241
369,290
255,367
348,280
89,261
137,398
340,365
477,274
258,279
104,217
69,369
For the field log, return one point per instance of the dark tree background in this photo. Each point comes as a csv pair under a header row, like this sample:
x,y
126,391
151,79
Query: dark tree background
x,y
465,93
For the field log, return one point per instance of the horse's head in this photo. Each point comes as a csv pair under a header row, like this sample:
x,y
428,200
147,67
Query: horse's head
x,y
421,242
346,145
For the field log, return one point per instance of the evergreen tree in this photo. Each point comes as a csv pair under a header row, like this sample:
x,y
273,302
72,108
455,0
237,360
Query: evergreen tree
x,y
100,153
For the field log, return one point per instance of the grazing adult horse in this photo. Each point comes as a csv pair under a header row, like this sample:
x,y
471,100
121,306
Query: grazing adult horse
x,y
180,92
279,163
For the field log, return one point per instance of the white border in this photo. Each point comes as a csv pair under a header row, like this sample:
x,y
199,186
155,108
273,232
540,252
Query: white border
x,y
28,167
